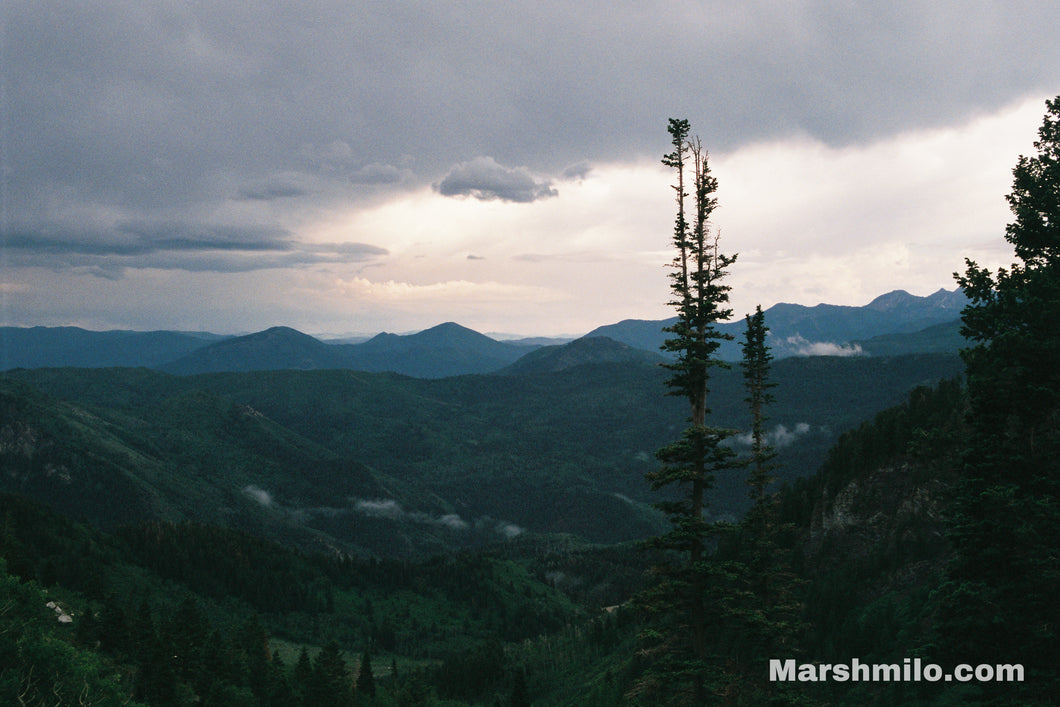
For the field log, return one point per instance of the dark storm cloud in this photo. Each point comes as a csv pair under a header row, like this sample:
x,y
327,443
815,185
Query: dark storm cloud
x,y
132,239
377,174
177,246
143,110
577,171
178,237
486,180
248,261
272,191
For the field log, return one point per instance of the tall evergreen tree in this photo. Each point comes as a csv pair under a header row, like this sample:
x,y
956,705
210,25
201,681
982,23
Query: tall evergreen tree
x,y
330,685
755,364
302,678
520,695
365,679
678,609
766,608
278,689
998,604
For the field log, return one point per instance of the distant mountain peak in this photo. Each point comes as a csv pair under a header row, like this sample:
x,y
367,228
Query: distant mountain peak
x,y
280,331
451,333
798,328
900,299
946,299
278,347
449,328
891,301
586,350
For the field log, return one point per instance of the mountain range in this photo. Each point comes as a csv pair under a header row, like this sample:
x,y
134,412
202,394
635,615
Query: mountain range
x,y
894,323
825,329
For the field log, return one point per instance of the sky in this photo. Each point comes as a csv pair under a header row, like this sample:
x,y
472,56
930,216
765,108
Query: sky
x,y
349,167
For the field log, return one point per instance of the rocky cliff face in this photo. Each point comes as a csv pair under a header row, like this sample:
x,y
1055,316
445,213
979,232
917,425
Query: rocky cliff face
x,y
891,518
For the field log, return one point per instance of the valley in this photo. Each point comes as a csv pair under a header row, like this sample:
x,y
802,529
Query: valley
x,y
474,535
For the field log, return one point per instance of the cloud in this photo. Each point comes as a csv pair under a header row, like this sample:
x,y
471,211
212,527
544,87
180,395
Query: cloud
x,y
142,238
778,437
105,271
260,495
186,97
271,192
798,346
450,520
381,508
377,174
486,180
510,530
334,151
355,252
451,291
577,172
220,116
110,250
392,510
181,236
280,187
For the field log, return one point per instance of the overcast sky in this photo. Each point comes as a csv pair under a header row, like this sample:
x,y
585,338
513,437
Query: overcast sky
x,y
353,167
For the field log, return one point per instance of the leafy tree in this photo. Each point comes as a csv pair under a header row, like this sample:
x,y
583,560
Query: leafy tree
x,y
999,601
37,665
678,605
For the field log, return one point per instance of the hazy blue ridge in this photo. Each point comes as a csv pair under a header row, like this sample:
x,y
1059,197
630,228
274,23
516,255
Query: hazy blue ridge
x,y
893,324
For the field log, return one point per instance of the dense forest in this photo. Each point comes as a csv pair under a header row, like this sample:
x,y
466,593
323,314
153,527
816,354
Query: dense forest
x,y
548,617
249,539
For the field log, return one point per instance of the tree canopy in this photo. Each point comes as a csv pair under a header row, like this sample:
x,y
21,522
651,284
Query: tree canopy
x,y
999,601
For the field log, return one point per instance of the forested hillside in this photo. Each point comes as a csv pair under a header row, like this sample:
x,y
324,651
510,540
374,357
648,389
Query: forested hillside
x,y
383,465
867,536
202,468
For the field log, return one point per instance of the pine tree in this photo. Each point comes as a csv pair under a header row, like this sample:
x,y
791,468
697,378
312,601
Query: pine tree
x,y
330,685
365,679
113,630
302,678
278,689
156,681
998,604
187,634
755,364
678,607
520,695
766,608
